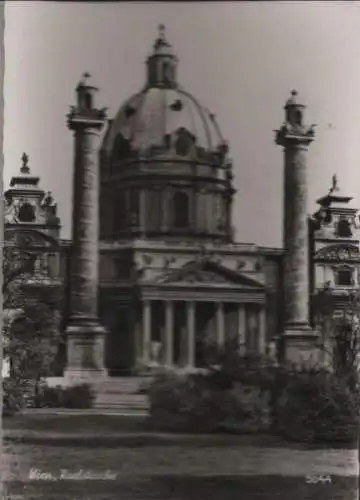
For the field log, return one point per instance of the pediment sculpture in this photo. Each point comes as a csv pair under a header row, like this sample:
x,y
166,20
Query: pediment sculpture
x,y
339,253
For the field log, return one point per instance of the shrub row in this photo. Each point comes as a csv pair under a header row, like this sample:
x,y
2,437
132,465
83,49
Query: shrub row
x,y
241,394
16,396
76,396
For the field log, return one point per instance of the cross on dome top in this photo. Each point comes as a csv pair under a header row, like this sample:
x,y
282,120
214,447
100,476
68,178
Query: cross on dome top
x,y
161,42
161,29
335,184
85,78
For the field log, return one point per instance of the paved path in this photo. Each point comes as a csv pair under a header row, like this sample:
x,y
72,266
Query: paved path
x,y
85,411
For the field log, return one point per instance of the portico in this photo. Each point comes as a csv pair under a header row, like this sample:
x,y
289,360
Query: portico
x,y
172,332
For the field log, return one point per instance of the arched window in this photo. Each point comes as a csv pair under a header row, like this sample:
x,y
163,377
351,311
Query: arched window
x,y
133,207
181,210
184,142
344,229
298,117
120,212
167,73
26,213
121,147
344,276
88,101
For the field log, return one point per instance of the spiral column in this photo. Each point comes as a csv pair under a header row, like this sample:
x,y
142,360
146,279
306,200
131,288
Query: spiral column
x,y
85,334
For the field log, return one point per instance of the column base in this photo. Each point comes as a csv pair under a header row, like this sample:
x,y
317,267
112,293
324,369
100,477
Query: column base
x,y
85,351
300,343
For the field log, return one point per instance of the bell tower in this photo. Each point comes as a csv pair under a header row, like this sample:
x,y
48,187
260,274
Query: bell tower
x,y
295,137
27,206
85,334
335,239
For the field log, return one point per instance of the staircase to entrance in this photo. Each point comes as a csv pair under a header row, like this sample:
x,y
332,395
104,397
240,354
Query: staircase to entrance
x,y
123,394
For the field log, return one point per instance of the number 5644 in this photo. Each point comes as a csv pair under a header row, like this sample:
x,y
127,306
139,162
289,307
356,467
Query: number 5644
x,y
317,479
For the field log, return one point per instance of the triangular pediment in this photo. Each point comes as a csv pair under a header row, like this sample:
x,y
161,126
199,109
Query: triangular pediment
x,y
208,273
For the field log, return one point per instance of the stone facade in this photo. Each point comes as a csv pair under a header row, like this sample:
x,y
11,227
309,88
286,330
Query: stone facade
x,y
179,296
161,268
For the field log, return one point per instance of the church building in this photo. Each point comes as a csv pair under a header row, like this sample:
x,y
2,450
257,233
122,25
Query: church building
x,y
152,272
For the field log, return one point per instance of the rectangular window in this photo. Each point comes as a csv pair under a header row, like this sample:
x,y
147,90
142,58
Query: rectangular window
x,y
344,277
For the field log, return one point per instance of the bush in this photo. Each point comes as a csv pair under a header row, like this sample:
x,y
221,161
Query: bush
x,y
76,397
13,396
50,397
249,394
317,406
194,403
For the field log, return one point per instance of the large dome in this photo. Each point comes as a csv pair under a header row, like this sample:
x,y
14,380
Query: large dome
x,y
161,110
149,116
164,166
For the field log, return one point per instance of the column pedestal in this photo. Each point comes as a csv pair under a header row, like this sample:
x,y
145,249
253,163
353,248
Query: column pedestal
x,y
300,345
85,352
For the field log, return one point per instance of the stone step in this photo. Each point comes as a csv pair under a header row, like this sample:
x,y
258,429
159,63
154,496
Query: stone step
x,y
138,404
134,400
134,412
120,403
121,385
121,399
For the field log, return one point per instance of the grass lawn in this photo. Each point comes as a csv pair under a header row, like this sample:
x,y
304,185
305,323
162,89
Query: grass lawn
x,y
206,469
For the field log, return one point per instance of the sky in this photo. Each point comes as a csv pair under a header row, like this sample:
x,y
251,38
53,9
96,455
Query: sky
x,y
239,59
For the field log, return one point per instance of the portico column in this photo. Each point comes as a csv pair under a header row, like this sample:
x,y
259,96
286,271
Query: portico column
x,y
169,333
220,326
146,331
142,214
138,338
190,345
262,331
242,328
